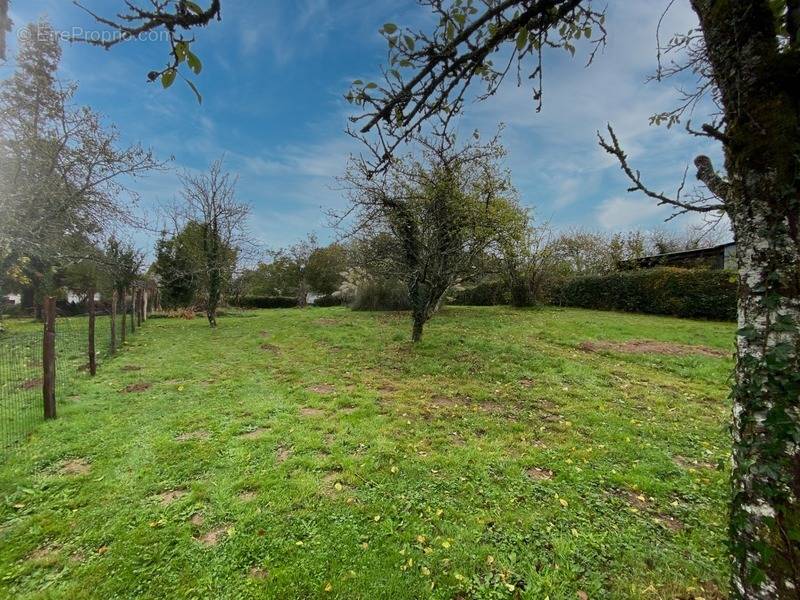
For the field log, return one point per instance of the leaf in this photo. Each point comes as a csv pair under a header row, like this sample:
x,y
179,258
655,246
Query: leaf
x,y
196,91
193,62
371,85
563,502
522,39
409,40
193,6
358,82
168,77
389,28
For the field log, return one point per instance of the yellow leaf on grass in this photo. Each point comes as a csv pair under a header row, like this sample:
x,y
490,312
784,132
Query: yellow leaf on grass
x,y
328,587
563,502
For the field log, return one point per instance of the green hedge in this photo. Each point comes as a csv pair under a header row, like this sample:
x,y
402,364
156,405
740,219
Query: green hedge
x,y
695,293
329,300
267,302
486,293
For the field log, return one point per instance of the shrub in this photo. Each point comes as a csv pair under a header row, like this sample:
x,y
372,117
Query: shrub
x,y
695,293
267,302
381,295
328,300
487,293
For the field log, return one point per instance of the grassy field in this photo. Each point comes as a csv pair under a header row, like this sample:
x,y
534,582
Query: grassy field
x,y
317,454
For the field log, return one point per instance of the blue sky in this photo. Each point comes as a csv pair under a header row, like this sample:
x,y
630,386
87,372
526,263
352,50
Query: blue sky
x,y
275,72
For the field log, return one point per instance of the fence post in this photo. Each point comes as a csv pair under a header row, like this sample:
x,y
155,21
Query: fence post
x,y
133,309
49,358
113,347
144,305
123,325
92,354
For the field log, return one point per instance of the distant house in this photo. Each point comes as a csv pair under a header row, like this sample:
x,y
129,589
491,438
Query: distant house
x,y
715,257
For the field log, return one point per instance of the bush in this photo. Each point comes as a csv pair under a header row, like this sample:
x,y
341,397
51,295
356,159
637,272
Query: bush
x,y
695,293
487,293
328,300
267,302
381,295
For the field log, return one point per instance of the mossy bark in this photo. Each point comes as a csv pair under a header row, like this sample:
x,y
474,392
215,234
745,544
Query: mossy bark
x,y
756,75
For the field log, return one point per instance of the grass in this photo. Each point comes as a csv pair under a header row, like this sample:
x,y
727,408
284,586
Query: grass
x,y
317,454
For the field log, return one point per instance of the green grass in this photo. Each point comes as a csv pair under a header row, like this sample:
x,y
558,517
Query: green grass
x,y
411,472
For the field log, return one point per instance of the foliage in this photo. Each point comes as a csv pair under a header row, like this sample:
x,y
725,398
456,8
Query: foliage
x,y
327,301
267,302
692,293
430,458
489,292
325,267
381,294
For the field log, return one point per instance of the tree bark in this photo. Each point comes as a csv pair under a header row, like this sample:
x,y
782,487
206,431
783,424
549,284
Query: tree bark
x,y
757,84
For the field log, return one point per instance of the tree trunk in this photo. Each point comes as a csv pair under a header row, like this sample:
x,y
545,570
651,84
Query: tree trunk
x,y
756,77
124,314
765,511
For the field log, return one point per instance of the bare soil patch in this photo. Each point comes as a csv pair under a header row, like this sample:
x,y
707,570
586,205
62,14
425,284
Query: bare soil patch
x,y
258,573
307,411
213,536
539,474
138,387
197,519
322,389
193,435
31,383
130,368
255,434
688,463
44,552
327,321
652,347
271,348
170,496
75,466
282,454
526,383
247,495
263,333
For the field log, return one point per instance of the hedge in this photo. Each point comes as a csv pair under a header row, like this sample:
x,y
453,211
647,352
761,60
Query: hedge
x,y
694,293
328,300
267,302
487,293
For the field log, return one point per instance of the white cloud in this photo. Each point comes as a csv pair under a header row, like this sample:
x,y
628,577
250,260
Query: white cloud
x,y
620,213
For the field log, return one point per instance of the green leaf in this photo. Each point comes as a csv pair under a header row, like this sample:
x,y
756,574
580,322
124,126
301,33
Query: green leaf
x,y
371,85
168,77
180,51
522,39
409,42
193,62
196,91
193,6
358,82
389,27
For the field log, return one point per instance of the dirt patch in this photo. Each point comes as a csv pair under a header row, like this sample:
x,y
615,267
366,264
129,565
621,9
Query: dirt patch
x,y
258,573
637,501
348,410
527,383
213,536
307,411
271,348
247,495
255,434
641,504
327,322
688,463
331,484
193,435
137,387
76,466
282,454
31,383
652,347
263,333
130,368
493,408
197,519
322,389
44,552
170,496
539,474
670,523
387,388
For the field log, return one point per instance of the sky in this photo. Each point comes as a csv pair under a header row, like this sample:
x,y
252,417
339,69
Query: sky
x,y
273,84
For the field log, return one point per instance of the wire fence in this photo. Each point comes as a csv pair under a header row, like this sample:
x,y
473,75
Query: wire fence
x,y
22,364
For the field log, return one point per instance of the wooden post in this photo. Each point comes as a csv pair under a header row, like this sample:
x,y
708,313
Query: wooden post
x,y
123,325
133,309
139,306
92,353
113,344
49,358
145,303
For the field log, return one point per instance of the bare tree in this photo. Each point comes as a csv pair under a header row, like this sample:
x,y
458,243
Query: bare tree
x,y
209,200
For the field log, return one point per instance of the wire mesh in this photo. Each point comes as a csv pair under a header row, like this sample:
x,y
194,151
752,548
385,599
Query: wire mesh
x,y
21,369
